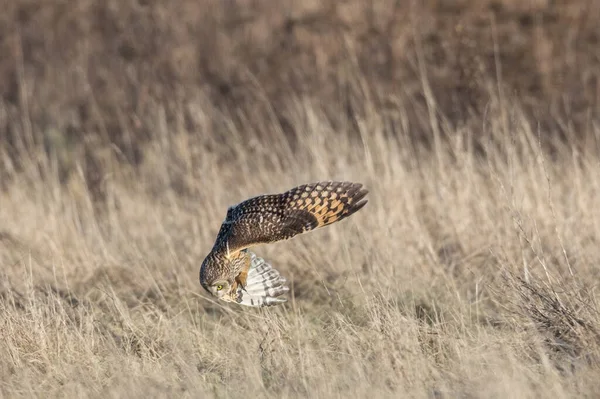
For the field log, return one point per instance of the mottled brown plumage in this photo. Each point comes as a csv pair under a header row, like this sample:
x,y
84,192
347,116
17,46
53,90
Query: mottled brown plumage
x,y
270,218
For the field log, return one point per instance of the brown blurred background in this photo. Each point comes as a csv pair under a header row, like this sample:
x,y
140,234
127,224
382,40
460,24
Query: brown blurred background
x,y
102,69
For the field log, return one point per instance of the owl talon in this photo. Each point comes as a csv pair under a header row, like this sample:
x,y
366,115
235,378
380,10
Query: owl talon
x,y
242,278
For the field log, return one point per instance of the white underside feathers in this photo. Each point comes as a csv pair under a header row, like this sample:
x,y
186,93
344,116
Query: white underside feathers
x,y
264,285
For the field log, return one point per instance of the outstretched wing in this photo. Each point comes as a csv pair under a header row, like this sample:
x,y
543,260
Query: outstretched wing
x,y
275,217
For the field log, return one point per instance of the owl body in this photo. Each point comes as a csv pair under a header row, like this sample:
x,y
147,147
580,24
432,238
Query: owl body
x,y
232,273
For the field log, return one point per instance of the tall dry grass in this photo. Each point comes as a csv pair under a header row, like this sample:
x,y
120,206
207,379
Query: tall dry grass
x,y
470,273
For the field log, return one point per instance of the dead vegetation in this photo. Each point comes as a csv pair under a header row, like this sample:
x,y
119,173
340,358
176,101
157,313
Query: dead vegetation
x,y
128,128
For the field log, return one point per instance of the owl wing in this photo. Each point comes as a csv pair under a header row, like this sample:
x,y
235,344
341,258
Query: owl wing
x,y
275,217
265,286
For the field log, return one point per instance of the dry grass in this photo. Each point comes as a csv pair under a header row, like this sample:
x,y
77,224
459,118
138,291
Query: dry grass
x,y
470,273
465,276
103,67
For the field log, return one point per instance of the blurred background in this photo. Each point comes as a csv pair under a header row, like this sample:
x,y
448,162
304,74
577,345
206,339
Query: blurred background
x,y
100,72
127,127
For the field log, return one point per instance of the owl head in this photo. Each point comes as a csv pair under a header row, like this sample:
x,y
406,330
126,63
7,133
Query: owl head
x,y
217,274
264,285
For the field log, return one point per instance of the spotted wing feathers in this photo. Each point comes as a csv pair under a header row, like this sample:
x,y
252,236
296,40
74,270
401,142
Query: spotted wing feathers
x,y
275,217
327,202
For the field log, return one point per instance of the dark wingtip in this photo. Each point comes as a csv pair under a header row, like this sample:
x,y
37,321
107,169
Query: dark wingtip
x,y
358,194
356,207
353,188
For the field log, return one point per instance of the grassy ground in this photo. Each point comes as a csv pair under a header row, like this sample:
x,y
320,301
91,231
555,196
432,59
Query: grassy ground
x,y
465,276
470,273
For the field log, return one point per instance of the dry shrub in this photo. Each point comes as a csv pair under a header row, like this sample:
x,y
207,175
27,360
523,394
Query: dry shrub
x,y
565,315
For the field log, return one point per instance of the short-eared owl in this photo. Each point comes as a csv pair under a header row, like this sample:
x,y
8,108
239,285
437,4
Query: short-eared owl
x,y
232,273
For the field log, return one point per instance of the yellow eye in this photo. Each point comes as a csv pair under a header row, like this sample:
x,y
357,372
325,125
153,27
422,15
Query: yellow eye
x,y
219,287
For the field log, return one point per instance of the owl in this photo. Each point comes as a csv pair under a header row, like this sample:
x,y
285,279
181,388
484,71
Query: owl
x,y
232,273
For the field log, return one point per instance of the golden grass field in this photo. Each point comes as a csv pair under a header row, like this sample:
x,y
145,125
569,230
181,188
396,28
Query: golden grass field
x,y
470,273
463,276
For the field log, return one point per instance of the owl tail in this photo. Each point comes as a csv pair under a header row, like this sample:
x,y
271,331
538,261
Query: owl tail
x,y
264,286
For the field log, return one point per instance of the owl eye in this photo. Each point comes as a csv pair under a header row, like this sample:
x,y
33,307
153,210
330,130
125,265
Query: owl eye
x,y
219,287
